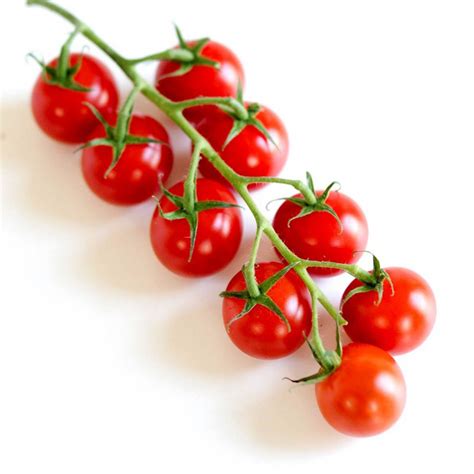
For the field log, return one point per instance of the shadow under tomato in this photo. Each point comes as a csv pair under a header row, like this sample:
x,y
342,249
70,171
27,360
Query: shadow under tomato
x,y
193,340
47,174
121,259
290,421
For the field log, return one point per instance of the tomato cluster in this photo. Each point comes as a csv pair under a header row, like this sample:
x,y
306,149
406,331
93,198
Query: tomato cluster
x,y
196,229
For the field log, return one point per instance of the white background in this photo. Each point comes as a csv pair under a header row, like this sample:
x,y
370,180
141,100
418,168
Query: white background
x,y
110,364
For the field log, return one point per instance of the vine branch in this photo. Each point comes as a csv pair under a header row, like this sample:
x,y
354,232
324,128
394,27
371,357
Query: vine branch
x,y
174,111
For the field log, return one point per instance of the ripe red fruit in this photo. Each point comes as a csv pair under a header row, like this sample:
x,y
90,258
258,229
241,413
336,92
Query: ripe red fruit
x,y
365,395
61,112
136,176
401,321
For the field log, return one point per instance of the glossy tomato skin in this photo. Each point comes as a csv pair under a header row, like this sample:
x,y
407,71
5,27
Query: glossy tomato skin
x,y
61,112
250,153
365,395
218,237
261,333
318,236
136,176
402,320
202,81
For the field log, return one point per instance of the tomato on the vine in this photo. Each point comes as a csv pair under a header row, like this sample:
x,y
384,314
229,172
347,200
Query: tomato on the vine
x,y
319,236
201,80
365,395
401,321
250,153
136,176
61,112
261,333
219,232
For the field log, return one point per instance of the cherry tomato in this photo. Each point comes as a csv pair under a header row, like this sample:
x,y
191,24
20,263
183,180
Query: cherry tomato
x,y
365,395
61,112
136,176
318,236
250,153
202,81
402,320
218,237
261,333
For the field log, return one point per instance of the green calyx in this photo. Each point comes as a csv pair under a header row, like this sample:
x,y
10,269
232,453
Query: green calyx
x,y
242,120
188,56
188,207
328,360
378,277
315,205
118,137
62,75
262,298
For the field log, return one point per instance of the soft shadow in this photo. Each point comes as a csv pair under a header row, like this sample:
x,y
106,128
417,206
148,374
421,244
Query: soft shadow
x,y
289,420
193,340
47,174
121,258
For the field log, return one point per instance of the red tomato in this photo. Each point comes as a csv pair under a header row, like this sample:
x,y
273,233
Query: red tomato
x,y
318,236
365,395
402,320
261,333
202,81
219,233
61,112
250,153
135,177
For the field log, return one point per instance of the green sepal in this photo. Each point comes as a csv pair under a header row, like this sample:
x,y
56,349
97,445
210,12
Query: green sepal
x,y
183,69
176,200
51,75
208,205
107,127
260,127
112,138
190,213
237,127
95,142
239,124
379,275
271,281
262,299
172,216
249,305
196,58
265,300
319,206
137,140
311,379
309,180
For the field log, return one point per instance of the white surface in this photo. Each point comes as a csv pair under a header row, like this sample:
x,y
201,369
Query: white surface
x,y
110,364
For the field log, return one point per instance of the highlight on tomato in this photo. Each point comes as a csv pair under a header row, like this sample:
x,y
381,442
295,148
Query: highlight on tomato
x,y
262,332
60,111
365,395
141,166
334,229
219,76
253,151
400,321
218,231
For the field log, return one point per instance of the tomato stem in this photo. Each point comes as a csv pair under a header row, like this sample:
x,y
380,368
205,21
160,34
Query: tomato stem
x,y
249,267
178,54
174,110
63,61
299,185
229,104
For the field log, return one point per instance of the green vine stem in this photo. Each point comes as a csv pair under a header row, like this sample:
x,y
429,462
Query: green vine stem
x,y
174,110
249,267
